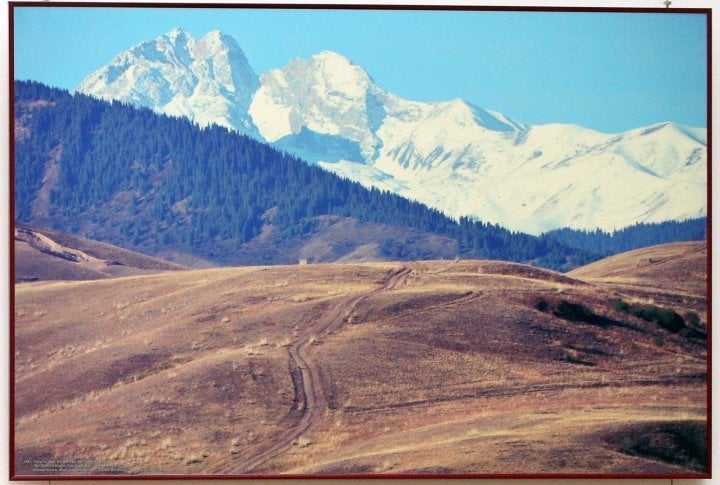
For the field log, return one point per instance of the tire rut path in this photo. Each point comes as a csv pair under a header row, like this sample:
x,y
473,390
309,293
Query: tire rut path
x,y
310,399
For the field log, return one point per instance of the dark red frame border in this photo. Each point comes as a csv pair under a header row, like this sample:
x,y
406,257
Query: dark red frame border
x,y
11,171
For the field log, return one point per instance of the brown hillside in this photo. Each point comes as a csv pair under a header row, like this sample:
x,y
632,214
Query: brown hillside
x,y
434,367
45,254
342,240
680,267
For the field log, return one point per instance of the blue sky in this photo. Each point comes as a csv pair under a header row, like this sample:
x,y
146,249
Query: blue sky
x,y
607,71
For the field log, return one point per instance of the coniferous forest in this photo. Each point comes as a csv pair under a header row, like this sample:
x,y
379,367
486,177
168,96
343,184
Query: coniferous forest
x,y
149,182
632,237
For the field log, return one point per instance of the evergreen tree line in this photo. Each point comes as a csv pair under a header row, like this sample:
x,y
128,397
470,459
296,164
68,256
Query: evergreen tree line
x,y
150,182
642,234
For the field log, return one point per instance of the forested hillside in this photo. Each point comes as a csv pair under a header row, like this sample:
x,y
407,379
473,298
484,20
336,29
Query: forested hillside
x,y
153,183
635,236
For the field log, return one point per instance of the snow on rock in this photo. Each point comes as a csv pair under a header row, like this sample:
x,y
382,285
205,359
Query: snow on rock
x,y
208,81
544,177
326,94
459,158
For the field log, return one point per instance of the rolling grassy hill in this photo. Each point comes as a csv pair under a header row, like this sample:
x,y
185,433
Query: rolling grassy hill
x,y
46,254
678,266
479,367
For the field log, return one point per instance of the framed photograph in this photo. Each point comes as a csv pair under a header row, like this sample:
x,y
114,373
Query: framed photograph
x,y
359,241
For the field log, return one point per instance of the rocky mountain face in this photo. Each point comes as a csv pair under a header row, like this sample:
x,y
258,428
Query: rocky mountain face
x,y
453,156
208,81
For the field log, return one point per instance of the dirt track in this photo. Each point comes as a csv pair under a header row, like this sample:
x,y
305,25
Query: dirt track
x,y
350,369
310,399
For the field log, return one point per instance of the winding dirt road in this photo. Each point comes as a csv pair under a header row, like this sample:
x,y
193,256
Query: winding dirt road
x,y
310,399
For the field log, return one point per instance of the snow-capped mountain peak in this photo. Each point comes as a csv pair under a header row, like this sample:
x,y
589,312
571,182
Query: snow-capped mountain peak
x,y
325,94
209,81
177,35
216,43
454,156
337,69
332,57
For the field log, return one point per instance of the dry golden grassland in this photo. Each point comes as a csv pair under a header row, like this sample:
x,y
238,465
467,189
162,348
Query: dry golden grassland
x,y
432,367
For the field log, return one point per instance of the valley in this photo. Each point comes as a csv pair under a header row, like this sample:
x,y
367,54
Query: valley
x,y
427,367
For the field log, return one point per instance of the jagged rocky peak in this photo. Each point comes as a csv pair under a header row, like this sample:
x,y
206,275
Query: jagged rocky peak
x,y
326,94
220,58
338,67
216,43
178,33
178,38
209,81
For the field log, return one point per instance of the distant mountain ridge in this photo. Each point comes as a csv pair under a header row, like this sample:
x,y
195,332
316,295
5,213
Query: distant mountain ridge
x,y
208,81
452,156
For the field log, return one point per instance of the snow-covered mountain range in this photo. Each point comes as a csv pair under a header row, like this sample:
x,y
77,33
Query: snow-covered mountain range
x,y
453,156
